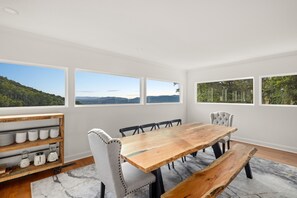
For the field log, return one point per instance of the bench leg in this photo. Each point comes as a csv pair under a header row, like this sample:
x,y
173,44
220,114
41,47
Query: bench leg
x,y
217,150
248,171
158,185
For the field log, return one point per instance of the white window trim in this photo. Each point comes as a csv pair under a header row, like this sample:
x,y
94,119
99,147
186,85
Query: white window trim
x,y
141,82
165,103
66,102
260,90
218,103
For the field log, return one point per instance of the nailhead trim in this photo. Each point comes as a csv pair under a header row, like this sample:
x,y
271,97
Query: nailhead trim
x,y
138,188
119,161
120,166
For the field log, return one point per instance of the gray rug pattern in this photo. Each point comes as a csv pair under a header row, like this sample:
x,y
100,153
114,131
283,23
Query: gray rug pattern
x,y
271,180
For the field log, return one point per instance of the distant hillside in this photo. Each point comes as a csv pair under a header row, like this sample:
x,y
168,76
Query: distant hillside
x,y
163,99
105,100
13,94
119,100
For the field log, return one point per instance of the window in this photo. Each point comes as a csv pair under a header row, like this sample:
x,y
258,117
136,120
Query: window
x,y
229,91
279,90
96,88
162,92
22,85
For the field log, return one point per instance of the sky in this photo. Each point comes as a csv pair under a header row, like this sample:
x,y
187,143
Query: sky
x,y
52,80
48,80
102,85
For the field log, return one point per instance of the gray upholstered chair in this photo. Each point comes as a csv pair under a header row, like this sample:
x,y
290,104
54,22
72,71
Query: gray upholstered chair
x,y
121,179
222,118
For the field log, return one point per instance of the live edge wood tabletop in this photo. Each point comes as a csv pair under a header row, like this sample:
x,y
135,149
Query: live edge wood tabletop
x,y
151,150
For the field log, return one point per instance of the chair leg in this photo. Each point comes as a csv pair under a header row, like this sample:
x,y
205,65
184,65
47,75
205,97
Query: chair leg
x,y
182,159
102,190
172,163
228,144
224,147
204,150
185,158
168,166
194,154
151,191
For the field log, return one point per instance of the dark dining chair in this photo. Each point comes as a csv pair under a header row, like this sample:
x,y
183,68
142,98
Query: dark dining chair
x,y
148,127
164,124
177,121
129,130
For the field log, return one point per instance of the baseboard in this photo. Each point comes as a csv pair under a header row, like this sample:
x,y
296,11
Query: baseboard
x,y
266,144
77,156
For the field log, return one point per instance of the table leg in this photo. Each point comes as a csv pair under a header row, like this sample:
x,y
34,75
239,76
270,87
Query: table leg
x,y
158,186
217,150
248,171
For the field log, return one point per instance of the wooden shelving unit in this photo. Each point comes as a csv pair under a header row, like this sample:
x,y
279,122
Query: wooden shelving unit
x,y
19,172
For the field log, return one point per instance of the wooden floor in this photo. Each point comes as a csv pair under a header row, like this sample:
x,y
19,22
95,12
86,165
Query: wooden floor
x,y
20,188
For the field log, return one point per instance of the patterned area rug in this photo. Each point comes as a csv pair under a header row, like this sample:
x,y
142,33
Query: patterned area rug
x,y
271,180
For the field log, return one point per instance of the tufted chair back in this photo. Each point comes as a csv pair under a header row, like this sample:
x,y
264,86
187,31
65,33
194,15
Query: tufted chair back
x,y
106,152
221,118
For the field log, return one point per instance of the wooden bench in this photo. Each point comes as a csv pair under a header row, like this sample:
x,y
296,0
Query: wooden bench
x,y
212,180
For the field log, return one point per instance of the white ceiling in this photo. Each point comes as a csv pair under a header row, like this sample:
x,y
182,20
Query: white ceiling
x,y
181,33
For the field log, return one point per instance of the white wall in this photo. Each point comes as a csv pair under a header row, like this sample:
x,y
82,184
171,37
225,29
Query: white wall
x,y
271,126
37,50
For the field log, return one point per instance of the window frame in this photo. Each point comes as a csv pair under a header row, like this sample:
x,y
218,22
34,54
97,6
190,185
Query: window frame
x,y
162,80
28,64
141,82
224,103
260,89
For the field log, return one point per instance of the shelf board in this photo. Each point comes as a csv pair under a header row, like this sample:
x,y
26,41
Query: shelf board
x,y
16,118
27,144
19,172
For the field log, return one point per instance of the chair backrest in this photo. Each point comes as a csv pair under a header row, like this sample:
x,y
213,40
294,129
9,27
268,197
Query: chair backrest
x,y
150,127
165,124
106,152
221,118
177,121
129,130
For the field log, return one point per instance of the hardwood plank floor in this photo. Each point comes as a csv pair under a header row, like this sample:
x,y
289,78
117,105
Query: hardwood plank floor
x,y
274,155
20,188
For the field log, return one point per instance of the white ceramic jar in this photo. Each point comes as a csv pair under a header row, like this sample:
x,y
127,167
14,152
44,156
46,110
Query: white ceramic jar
x,y
54,132
33,135
43,134
21,137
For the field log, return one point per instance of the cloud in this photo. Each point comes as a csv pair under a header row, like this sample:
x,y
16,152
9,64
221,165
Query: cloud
x,y
113,90
86,91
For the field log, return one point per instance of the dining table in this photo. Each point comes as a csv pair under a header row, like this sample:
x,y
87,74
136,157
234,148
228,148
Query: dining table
x,y
151,150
